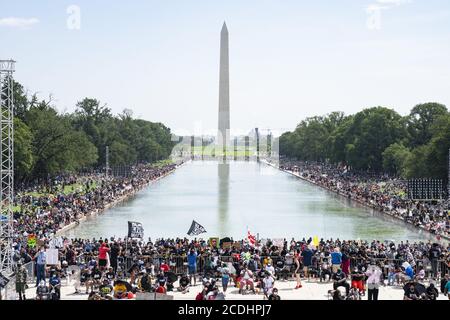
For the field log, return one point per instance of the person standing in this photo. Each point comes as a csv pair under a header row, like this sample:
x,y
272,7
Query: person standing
x,y
41,261
434,255
336,260
297,269
307,255
21,281
373,282
192,265
103,252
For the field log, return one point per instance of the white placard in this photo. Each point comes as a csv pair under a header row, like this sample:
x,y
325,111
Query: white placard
x,y
51,256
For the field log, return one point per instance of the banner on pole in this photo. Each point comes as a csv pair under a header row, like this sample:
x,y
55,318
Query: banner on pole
x,y
135,230
31,241
196,229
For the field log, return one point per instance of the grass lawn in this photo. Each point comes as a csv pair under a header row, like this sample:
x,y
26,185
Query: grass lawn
x,y
211,150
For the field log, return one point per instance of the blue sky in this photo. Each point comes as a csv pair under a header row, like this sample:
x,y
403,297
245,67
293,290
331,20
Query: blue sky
x,y
288,59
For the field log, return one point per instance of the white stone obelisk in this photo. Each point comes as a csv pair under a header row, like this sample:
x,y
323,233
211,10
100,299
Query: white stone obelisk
x,y
223,136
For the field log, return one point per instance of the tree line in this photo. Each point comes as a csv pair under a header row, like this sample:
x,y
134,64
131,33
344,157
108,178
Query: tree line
x,y
48,142
377,140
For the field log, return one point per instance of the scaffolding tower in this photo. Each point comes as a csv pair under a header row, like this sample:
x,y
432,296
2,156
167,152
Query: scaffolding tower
x,y
7,164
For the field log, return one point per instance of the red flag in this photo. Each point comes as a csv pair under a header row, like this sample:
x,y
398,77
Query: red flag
x,y
251,238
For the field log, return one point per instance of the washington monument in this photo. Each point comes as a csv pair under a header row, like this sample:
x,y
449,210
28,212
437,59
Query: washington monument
x,y
224,92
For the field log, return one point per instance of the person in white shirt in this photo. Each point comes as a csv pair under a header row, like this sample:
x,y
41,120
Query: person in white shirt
x,y
269,268
246,279
373,281
268,282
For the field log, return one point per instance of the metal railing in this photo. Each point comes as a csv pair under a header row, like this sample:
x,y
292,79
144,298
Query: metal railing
x,y
179,264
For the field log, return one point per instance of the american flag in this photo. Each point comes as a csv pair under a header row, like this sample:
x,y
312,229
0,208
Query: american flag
x,y
251,238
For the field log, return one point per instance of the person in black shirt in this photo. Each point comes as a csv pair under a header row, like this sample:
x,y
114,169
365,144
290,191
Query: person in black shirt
x,y
432,292
280,272
110,275
434,255
274,295
358,280
85,278
113,254
340,280
105,289
184,283
146,282
96,277
411,293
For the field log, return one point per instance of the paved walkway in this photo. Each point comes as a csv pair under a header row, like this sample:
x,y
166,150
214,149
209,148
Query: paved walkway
x,y
310,291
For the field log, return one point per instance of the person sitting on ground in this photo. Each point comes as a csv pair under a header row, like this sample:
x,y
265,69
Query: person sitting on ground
x,y
268,283
96,277
184,283
212,295
246,280
411,293
55,284
105,289
86,279
269,268
42,291
161,287
407,274
146,282
121,291
274,295
325,270
432,292
340,280
110,275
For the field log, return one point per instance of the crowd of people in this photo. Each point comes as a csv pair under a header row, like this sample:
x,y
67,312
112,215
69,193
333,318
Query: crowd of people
x,y
117,268
381,192
44,209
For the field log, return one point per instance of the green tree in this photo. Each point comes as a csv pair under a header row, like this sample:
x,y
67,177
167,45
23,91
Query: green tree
x,y
23,154
370,133
394,159
420,122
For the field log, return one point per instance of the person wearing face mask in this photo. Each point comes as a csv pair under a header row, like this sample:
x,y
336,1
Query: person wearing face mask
x,y
274,295
411,293
340,280
373,274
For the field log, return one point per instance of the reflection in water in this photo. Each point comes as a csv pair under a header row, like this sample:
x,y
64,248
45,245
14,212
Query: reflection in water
x,y
223,195
225,198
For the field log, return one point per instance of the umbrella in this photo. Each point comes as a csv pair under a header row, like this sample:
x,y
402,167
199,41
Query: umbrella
x,y
420,288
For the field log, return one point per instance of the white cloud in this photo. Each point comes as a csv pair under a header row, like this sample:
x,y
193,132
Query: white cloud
x,y
15,22
393,2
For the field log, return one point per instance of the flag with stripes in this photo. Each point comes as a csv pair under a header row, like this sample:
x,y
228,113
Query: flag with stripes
x,y
251,238
196,229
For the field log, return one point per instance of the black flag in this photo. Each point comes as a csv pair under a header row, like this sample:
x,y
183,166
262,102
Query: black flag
x,y
135,230
196,229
